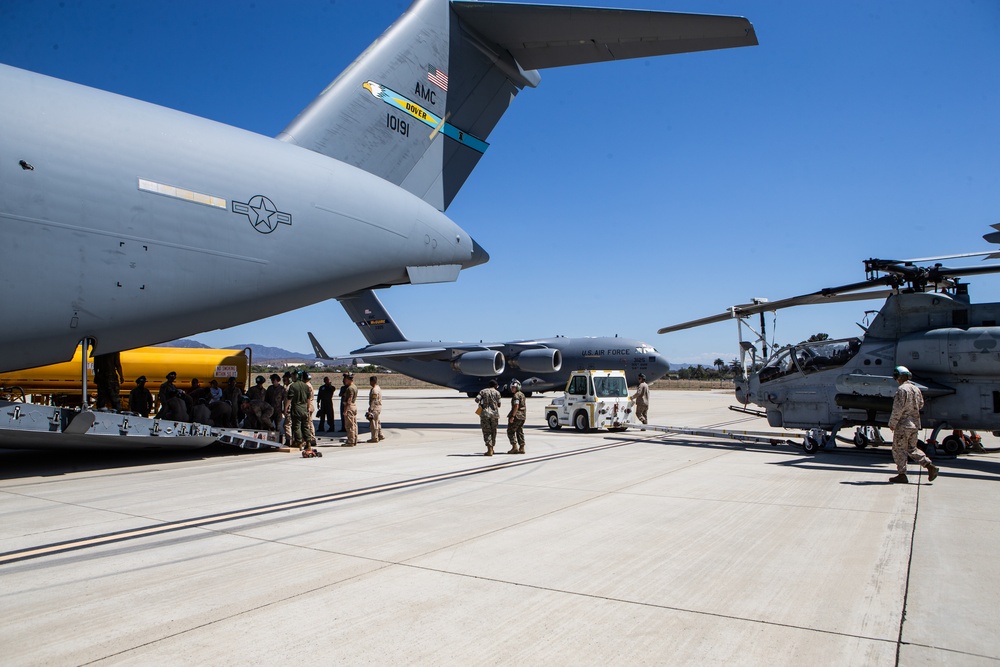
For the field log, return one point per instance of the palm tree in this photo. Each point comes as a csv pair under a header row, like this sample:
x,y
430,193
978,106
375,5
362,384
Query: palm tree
x,y
720,365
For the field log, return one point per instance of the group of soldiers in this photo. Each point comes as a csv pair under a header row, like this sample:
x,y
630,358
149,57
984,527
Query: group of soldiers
x,y
489,416
212,405
286,406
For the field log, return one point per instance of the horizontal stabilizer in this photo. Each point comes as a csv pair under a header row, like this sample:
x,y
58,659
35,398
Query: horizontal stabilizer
x,y
543,36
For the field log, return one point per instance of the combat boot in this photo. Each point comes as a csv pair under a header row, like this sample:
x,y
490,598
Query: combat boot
x,y
899,479
520,450
489,450
513,450
932,471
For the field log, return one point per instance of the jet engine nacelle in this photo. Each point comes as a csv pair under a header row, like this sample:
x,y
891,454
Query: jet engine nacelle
x,y
974,351
488,363
548,360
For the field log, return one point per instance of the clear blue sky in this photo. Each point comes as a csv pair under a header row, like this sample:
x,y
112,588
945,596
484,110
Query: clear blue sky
x,y
676,186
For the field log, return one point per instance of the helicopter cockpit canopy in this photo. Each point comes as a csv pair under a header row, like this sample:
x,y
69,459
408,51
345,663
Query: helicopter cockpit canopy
x,y
809,357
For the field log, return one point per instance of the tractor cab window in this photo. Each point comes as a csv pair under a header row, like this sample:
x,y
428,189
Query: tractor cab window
x,y
610,387
578,385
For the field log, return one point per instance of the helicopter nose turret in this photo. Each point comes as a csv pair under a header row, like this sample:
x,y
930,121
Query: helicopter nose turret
x,y
742,390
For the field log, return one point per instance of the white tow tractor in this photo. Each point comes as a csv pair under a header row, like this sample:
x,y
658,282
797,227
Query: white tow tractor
x,y
592,399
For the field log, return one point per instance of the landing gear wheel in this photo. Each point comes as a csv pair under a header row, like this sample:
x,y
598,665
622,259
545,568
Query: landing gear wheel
x,y
581,422
953,445
861,439
814,441
553,421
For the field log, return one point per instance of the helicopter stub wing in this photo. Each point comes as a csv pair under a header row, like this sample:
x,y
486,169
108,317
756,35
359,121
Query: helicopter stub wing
x,y
745,310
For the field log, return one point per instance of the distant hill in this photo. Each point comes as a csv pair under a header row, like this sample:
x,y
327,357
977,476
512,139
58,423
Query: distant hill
x,y
260,352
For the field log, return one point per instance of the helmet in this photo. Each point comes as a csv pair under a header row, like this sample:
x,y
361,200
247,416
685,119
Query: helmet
x,y
171,375
642,376
304,376
260,379
515,383
141,378
901,371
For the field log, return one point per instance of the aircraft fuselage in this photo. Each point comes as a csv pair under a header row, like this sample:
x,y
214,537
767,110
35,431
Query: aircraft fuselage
x,y
136,224
597,353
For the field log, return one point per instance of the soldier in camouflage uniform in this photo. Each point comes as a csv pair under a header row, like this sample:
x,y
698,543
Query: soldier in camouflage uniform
x,y
286,381
276,395
905,424
256,392
349,409
108,377
375,410
516,418
311,406
489,414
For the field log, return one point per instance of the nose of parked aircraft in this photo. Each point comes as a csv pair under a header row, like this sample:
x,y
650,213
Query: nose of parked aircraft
x,y
660,367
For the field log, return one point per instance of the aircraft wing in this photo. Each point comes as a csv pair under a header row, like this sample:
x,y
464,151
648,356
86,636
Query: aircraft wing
x,y
543,36
444,352
747,309
526,344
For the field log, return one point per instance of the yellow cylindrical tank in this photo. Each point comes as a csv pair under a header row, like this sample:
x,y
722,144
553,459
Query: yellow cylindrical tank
x,y
153,362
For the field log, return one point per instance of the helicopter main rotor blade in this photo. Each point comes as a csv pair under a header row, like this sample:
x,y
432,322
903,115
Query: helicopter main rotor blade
x,y
899,273
745,310
942,257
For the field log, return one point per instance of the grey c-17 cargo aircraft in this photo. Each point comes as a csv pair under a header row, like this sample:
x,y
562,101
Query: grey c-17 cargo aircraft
x,y
127,202
540,365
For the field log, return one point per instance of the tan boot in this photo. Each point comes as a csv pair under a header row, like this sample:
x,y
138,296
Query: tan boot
x,y
932,472
489,450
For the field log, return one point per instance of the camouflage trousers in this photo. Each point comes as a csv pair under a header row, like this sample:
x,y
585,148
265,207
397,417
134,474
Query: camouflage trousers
x,y
489,425
515,433
311,407
904,445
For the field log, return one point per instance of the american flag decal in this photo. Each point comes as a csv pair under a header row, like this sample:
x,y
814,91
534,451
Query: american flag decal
x,y
437,77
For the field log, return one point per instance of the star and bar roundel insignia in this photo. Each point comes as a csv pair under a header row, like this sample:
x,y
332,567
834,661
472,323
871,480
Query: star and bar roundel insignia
x,y
263,215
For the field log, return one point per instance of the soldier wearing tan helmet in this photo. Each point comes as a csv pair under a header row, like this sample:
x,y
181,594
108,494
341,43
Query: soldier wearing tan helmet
x,y
905,424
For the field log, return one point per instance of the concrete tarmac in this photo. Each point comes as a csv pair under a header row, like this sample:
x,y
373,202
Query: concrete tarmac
x,y
591,549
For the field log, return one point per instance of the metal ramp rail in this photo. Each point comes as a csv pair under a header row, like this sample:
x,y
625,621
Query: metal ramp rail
x,y
733,434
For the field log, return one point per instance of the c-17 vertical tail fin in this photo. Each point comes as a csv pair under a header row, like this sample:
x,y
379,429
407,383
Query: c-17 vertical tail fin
x,y
417,106
365,309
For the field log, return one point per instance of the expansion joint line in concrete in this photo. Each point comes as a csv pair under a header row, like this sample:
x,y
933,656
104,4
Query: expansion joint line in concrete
x,y
909,570
210,519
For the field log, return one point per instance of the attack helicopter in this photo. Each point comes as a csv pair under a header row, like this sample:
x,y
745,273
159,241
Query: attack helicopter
x,y
928,323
